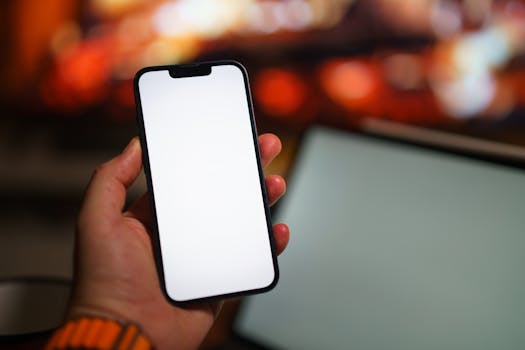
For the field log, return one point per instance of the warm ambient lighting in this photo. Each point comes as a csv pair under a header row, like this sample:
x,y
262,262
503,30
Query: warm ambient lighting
x,y
279,92
464,74
204,18
80,78
463,78
352,83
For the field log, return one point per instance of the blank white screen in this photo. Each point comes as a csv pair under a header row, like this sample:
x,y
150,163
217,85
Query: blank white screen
x,y
212,225
396,248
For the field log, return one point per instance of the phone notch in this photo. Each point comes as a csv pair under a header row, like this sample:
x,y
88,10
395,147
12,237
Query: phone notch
x,y
190,70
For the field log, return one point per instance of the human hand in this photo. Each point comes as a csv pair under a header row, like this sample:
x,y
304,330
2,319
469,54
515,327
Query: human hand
x,y
115,272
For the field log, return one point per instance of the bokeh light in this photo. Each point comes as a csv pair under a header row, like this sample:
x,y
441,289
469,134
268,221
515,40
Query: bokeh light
x,y
280,92
417,61
355,84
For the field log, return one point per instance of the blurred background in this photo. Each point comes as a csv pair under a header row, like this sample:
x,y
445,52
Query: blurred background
x,y
67,104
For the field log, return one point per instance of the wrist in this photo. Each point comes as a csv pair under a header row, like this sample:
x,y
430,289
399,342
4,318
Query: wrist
x,y
86,302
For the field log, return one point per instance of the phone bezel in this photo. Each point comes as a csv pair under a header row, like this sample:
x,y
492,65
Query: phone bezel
x,y
200,69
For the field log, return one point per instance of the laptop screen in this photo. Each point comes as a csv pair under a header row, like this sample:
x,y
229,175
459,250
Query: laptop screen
x,y
395,247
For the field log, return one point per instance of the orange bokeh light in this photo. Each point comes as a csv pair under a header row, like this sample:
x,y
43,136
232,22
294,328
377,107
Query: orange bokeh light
x,y
279,92
80,77
351,83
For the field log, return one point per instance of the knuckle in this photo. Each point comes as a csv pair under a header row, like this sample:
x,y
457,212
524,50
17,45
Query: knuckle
x,y
100,169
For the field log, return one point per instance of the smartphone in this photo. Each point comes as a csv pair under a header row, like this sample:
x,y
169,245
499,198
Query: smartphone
x,y
212,232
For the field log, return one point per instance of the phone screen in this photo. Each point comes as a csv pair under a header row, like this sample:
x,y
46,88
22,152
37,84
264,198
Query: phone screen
x,y
212,230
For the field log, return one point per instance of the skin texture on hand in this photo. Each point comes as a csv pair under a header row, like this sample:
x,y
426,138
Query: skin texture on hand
x,y
115,272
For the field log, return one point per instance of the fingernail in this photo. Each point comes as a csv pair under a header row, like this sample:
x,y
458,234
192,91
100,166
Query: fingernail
x,y
132,144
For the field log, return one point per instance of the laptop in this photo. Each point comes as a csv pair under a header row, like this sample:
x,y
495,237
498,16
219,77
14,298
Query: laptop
x,y
395,246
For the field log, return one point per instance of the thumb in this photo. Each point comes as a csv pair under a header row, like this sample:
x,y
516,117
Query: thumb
x,y
106,194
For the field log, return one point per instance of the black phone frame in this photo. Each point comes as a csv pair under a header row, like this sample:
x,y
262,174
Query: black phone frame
x,y
190,70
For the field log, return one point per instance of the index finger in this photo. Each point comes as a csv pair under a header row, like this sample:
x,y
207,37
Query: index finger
x,y
270,146
106,193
